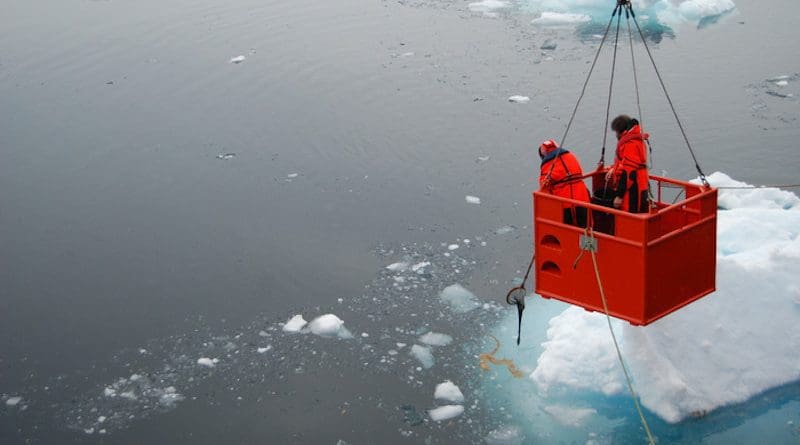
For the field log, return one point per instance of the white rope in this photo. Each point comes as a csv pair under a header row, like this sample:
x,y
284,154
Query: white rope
x,y
650,438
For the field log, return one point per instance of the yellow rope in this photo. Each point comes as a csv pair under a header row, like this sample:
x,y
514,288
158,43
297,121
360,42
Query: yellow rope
x,y
650,438
488,357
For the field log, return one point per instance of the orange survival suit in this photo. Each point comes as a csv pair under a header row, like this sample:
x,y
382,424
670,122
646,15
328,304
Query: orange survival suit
x,y
561,175
630,170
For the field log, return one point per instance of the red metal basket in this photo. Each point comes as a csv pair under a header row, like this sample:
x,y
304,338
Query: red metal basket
x,y
650,264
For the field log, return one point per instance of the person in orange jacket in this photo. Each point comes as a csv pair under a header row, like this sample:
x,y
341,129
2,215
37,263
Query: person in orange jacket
x,y
561,174
630,166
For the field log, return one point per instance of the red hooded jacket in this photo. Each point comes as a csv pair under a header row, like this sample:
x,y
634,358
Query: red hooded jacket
x,y
630,167
565,173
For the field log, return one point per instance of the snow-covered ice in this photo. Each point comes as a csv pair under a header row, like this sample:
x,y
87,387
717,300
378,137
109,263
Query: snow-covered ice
x,y
237,59
295,324
459,298
329,325
720,350
436,339
472,199
519,99
448,391
453,247
423,355
445,412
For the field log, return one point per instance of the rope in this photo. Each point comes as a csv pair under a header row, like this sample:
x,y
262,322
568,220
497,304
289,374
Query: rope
x,y
650,438
669,99
610,89
589,76
742,187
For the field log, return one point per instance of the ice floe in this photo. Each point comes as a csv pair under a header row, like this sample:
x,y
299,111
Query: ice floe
x,y
519,99
423,355
472,199
436,339
720,350
445,412
329,325
559,19
459,298
207,362
238,59
13,400
448,391
295,324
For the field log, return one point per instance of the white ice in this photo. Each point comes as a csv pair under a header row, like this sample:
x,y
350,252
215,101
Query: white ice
x,y
505,435
398,267
329,325
569,13
559,19
237,59
13,401
519,99
448,391
423,355
488,7
459,298
472,199
453,247
445,412
723,349
295,324
207,362
436,339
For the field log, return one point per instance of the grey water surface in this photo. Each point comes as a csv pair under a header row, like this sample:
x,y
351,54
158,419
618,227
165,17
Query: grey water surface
x,y
160,203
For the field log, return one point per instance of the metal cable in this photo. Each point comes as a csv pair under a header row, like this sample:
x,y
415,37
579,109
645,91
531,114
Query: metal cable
x,y
610,90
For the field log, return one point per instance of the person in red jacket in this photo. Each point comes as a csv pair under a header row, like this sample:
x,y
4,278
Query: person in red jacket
x,y
561,174
630,166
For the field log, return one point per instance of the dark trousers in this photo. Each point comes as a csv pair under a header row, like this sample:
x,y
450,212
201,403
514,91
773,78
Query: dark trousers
x,y
579,218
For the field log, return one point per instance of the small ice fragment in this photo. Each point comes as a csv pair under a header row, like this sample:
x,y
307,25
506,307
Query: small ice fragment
x,y
226,156
264,349
408,54
519,99
472,199
459,298
13,401
292,175
548,44
505,435
295,324
398,267
207,362
364,334
452,247
447,390
263,334
483,158
401,345
782,83
89,430
422,354
238,59
420,266
142,351
504,230
558,19
130,395
436,339
101,419
329,325
134,377
445,412
109,392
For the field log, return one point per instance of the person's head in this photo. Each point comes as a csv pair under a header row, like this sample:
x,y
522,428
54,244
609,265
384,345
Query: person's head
x,y
621,124
547,147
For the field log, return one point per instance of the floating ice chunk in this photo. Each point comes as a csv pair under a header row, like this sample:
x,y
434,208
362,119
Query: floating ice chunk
x,y
237,59
169,397
109,392
226,156
436,339
408,54
560,19
488,7
752,198
13,401
482,158
519,99
292,175
472,199
130,395
398,267
447,390
207,362
264,349
504,230
295,324
452,247
101,419
423,354
549,45
459,298
782,83
505,435
420,267
329,325
445,412
568,415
